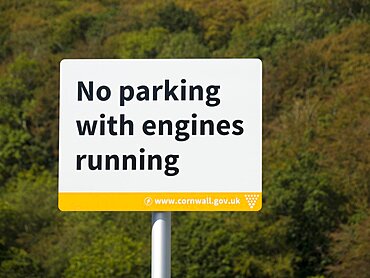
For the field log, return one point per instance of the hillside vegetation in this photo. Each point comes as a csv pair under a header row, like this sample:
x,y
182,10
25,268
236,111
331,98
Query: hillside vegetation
x,y
315,220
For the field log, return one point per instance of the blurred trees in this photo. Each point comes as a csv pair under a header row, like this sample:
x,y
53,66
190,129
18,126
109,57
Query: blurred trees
x,y
110,254
351,249
18,149
138,44
315,216
175,19
184,45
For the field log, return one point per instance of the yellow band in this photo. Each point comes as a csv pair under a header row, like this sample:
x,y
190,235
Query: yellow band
x,y
239,201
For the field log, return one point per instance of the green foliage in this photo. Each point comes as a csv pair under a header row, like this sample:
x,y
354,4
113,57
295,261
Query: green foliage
x,y
26,209
201,254
184,45
110,254
304,195
175,19
350,9
17,151
139,44
4,35
70,30
351,250
27,201
77,25
232,246
16,90
217,19
20,265
26,71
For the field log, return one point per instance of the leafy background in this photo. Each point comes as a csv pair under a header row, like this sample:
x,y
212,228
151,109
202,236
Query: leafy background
x,y
316,137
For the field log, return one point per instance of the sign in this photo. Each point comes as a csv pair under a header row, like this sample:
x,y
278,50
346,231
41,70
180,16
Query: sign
x,y
160,135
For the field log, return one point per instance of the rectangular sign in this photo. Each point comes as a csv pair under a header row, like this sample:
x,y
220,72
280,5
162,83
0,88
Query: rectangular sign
x,y
160,135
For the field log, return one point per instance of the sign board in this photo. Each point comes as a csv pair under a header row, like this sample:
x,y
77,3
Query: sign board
x,y
160,135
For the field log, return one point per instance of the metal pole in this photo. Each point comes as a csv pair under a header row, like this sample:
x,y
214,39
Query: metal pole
x,y
161,245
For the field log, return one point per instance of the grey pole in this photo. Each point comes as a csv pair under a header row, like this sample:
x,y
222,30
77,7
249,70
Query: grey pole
x,y
161,244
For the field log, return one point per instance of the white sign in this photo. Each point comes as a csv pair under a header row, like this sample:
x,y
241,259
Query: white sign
x,y
169,134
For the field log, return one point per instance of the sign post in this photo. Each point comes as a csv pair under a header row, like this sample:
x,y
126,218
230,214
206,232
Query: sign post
x,y
161,244
160,135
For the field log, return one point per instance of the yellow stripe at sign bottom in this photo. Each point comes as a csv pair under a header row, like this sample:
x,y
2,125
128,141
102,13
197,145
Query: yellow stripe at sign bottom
x,y
204,201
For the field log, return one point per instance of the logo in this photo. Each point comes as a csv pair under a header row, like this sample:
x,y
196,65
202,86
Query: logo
x,y
251,199
148,201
